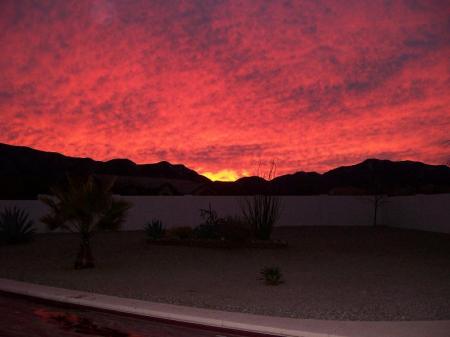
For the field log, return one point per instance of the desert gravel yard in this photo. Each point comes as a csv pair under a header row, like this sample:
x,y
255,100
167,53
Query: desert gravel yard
x,y
343,273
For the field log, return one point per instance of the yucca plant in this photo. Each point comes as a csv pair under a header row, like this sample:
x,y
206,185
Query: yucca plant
x,y
84,206
15,226
272,275
155,229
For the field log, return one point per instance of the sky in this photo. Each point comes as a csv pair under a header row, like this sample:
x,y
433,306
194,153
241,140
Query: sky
x,y
225,87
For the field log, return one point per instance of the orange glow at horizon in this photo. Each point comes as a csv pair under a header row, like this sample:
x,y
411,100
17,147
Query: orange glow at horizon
x,y
225,85
225,175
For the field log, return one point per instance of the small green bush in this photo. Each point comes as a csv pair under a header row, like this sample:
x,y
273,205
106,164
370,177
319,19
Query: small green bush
x,y
182,232
272,275
155,229
15,226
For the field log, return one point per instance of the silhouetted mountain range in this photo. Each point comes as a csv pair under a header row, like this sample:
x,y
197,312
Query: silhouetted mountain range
x,y
26,172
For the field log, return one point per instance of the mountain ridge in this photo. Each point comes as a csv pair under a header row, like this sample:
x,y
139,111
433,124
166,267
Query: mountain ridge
x,y
26,172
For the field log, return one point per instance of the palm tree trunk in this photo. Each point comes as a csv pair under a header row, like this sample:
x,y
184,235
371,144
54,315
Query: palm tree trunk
x,y
84,258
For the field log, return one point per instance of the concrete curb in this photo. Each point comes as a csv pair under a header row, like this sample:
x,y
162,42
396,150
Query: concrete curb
x,y
268,325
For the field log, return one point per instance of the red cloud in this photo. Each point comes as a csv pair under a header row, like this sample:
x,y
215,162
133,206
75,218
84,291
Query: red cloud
x,y
225,85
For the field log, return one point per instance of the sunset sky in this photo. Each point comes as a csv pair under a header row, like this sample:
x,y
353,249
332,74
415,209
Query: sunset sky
x,y
221,86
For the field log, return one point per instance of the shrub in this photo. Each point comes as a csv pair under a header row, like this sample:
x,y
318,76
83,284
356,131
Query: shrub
x,y
205,231
210,216
155,229
272,275
261,212
182,232
234,229
15,226
209,228
230,228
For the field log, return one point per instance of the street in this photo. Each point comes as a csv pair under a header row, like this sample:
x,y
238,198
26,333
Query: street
x,y
23,317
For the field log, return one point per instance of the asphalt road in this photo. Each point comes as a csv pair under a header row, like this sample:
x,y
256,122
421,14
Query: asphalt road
x,y
23,317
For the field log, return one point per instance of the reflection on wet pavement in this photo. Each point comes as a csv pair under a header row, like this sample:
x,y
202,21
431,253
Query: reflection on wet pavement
x,y
83,325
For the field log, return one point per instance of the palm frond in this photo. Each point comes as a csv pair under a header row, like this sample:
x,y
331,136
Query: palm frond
x,y
15,226
84,205
114,215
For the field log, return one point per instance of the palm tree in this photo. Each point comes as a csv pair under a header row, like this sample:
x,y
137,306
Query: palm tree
x,y
85,206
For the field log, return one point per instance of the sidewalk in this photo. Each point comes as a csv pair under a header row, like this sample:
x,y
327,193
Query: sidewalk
x,y
280,326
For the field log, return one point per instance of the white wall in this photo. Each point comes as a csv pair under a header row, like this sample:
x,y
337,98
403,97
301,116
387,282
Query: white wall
x,y
296,211
426,212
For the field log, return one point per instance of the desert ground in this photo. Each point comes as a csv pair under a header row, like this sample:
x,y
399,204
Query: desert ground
x,y
341,273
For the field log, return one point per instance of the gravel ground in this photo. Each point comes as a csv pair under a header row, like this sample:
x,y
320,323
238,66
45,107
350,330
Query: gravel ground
x,y
341,273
